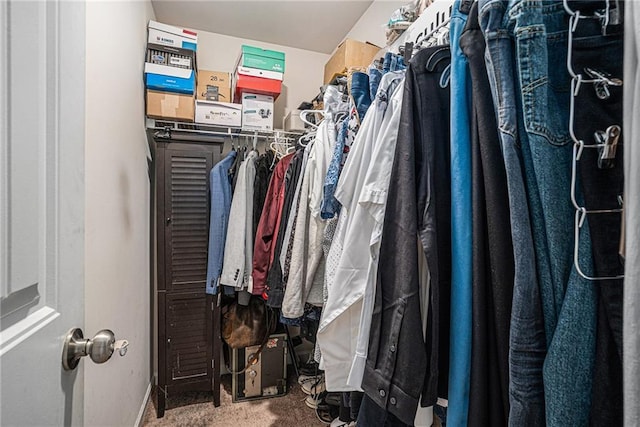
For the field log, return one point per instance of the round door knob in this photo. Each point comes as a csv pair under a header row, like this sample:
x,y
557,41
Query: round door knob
x,y
101,346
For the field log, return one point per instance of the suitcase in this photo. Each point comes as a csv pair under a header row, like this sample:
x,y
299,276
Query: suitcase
x,y
267,377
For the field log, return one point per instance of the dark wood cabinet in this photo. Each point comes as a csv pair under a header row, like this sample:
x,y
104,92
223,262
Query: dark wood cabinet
x,y
188,332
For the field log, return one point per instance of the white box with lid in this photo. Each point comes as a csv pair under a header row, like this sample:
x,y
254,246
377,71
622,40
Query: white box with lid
x,y
257,112
218,113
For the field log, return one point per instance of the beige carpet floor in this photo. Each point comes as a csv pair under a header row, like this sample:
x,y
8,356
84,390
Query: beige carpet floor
x,y
197,410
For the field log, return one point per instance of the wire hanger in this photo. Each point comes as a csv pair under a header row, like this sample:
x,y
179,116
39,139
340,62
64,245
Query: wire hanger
x,y
605,141
278,149
437,36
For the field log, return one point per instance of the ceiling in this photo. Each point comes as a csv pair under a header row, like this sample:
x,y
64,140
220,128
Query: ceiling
x,y
317,25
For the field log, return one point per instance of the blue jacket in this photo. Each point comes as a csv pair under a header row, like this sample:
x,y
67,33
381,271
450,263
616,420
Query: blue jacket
x,y
220,187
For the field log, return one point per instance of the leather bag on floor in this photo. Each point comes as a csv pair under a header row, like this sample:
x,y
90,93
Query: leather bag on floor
x,y
245,326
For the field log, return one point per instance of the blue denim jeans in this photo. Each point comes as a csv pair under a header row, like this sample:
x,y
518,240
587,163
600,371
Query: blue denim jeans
x,y
539,31
360,93
461,239
374,81
527,344
386,64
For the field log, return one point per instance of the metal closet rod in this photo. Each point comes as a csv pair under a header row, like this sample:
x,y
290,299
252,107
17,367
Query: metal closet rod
x,y
169,130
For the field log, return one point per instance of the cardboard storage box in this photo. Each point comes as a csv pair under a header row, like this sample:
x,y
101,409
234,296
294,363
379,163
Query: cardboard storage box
x,y
173,106
350,53
218,113
263,59
171,56
168,35
169,79
257,72
257,112
214,86
249,84
293,122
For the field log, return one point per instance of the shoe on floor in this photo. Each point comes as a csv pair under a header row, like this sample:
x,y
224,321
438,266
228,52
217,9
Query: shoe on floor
x,y
313,401
316,387
334,399
339,423
310,369
302,379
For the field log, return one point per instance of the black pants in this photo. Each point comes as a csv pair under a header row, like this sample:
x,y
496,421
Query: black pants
x,y
601,188
493,263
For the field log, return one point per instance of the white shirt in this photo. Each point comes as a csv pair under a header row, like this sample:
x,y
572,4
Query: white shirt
x,y
362,190
306,272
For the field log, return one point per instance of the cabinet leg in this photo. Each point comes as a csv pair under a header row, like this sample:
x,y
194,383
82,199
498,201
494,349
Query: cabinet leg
x,y
216,391
217,348
161,401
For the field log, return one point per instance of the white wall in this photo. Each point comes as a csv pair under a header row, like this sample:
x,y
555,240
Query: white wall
x,y
371,25
304,69
117,294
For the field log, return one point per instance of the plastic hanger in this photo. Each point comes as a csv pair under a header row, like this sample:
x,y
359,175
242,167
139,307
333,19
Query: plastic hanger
x,y
305,139
303,117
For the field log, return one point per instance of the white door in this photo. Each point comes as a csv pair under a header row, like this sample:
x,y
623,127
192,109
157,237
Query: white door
x,y
42,84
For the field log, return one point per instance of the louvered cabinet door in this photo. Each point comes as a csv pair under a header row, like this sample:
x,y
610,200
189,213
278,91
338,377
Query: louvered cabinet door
x,y
187,318
186,202
189,331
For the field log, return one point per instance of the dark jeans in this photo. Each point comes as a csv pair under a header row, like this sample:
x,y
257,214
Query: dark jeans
x,y
355,402
493,265
539,30
601,188
527,336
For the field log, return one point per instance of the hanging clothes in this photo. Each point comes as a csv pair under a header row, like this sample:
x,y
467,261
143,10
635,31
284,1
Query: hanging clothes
x,y
568,300
264,168
220,190
344,349
397,371
631,311
306,275
461,233
527,345
238,255
268,226
493,264
602,189
285,257
275,277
